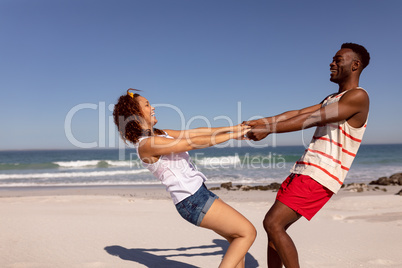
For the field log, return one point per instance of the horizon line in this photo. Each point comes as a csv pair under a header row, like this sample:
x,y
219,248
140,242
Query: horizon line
x,y
126,147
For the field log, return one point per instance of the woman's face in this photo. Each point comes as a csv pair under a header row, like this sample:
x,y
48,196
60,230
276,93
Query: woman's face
x,y
148,112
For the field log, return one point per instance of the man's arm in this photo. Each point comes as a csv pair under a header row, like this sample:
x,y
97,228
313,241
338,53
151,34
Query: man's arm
x,y
283,116
353,106
258,126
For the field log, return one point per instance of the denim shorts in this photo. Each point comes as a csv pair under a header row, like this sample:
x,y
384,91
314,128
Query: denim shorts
x,y
194,207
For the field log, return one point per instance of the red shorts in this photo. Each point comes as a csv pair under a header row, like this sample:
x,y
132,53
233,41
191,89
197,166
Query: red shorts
x,y
303,194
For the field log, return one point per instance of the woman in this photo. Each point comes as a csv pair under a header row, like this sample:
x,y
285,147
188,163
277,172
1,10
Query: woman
x,y
165,154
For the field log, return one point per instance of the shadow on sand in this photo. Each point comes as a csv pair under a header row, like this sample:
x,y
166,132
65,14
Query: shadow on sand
x,y
148,258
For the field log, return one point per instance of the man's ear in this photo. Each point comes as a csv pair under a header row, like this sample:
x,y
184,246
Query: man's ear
x,y
356,65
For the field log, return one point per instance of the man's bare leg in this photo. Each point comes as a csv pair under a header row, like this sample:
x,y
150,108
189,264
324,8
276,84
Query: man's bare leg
x,y
281,249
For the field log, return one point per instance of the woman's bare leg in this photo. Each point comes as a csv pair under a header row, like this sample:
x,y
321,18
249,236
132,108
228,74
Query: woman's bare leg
x,y
240,233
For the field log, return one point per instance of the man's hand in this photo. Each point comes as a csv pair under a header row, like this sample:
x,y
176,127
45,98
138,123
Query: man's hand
x,y
258,132
253,123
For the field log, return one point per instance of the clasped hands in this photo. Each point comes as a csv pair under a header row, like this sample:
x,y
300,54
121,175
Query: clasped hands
x,y
257,129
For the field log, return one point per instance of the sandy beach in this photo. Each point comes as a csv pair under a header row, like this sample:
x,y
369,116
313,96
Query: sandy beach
x,y
139,227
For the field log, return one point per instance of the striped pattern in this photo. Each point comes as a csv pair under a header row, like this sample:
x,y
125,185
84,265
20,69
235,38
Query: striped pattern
x,y
336,143
331,152
323,169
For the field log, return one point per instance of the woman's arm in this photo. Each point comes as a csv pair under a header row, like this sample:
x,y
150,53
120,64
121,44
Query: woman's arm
x,y
152,148
200,131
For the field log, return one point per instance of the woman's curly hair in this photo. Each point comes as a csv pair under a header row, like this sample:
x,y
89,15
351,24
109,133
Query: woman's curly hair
x,y
127,116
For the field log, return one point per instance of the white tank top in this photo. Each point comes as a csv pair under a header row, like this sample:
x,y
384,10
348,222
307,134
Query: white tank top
x,y
331,151
177,173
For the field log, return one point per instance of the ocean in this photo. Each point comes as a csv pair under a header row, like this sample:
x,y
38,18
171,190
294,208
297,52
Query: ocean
x,y
242,165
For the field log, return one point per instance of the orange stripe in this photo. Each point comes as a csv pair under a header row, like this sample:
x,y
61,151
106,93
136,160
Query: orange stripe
x,y
347,152
330,157
323,169
326,139
337,144
345,168
326,155
334,97
349,136
345,133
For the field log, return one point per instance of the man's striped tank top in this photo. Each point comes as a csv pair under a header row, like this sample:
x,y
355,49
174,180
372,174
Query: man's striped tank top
x,y
331,151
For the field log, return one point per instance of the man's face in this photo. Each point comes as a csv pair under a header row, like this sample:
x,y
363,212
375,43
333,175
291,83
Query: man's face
x,y
341,65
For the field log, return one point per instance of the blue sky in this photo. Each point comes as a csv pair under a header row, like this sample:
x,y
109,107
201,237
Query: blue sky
x,y
211,59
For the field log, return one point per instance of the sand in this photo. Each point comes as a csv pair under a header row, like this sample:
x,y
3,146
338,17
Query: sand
x,y
139,227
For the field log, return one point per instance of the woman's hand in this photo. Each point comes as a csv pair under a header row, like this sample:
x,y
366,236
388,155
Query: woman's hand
x,y
240,131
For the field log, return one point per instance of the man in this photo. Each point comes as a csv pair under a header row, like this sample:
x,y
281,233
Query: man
x,y
341,121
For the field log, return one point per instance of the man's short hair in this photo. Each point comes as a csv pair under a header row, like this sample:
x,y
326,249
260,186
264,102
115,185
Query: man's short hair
x,y
361,52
